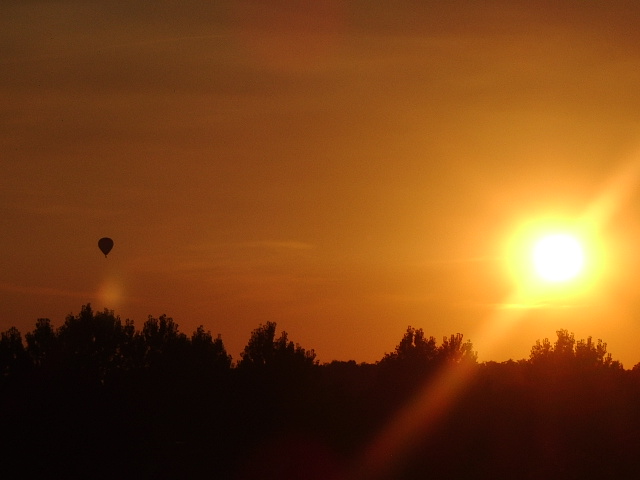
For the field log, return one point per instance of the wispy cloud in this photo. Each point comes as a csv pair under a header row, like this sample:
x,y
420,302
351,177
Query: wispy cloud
x,y
53,209
166,39
47,291
109,292
266,244
538,305
279,244
459,260
221,256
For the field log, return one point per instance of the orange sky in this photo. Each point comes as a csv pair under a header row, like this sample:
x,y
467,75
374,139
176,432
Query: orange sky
x,y
345,170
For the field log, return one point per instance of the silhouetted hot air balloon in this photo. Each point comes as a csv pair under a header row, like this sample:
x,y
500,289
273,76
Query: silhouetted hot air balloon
x,y
105,245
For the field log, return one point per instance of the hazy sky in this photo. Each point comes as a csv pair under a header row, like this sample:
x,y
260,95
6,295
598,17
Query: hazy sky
x,y
344,169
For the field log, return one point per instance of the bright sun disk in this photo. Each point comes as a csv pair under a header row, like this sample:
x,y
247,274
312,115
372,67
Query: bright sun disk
x,y
558,257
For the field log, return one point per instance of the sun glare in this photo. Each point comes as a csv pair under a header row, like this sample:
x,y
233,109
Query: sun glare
x,y
558,257
554,259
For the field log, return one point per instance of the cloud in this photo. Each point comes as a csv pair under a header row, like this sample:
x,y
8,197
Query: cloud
x,y
69,210
447,261
279,244
537,305
47,291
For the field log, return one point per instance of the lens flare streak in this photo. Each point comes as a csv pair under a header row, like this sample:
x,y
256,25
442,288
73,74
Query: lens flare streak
x,y
398,438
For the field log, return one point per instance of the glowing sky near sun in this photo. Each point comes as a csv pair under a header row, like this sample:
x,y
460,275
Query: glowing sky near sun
x,y
344,169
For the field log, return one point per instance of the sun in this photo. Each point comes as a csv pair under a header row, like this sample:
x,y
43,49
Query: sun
x,y
558,257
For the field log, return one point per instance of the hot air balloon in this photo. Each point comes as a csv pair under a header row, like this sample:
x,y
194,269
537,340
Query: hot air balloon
x,y
105,245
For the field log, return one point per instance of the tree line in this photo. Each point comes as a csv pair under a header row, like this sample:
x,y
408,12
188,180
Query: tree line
x,y
98,398
99,345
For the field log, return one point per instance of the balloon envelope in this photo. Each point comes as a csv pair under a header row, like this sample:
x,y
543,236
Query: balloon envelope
x,y
105,245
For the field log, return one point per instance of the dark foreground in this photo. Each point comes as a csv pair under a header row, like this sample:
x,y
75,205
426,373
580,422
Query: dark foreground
x,y
507,423
97,399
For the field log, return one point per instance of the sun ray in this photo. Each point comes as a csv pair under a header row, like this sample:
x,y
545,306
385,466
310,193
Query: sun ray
x,y
396,440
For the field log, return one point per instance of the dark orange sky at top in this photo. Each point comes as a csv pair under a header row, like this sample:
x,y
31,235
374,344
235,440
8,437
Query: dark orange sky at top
x,y
342,169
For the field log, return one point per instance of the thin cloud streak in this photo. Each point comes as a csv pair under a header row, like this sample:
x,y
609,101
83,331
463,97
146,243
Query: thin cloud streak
x,y
48,291
280,245
535,306
446,261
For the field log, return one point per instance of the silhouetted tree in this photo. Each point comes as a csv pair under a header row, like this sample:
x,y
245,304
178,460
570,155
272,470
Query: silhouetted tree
x,y
414,349
94,344
418,352
162,342
208,354
265,351
41,343
259,351
589,355
291,355
564,346
454,350
567,354
13,356
567,410
129,350
541,352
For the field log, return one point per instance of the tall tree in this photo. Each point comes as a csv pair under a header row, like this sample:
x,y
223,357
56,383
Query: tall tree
x,y
454,350
13,356
265,351
208,355
93,344
259,351
567,354
162,342
415,350
41,343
